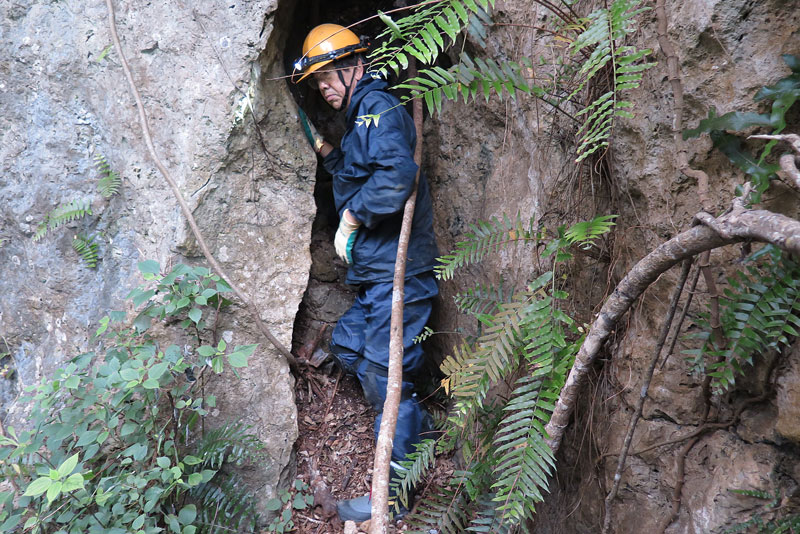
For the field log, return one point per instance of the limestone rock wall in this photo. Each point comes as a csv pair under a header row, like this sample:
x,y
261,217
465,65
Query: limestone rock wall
x,y
514,157
64,99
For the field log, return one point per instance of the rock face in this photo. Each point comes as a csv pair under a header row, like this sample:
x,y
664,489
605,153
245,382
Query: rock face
x,y
65,100
514,157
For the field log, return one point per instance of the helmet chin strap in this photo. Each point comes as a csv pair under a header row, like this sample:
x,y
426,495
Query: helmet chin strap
x,y
347,87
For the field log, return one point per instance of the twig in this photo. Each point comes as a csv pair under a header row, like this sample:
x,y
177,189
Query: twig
x,y
676,295
792,139
383,447
333,396
677,92
349,474
689,297
179,196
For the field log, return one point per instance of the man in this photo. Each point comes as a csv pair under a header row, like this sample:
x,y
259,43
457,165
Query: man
x,y
373,176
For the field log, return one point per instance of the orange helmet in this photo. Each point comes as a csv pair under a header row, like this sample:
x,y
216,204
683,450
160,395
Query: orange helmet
x,y
324,44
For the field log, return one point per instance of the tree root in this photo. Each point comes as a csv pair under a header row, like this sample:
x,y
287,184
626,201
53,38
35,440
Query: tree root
x,y
739,224
148,138
687,264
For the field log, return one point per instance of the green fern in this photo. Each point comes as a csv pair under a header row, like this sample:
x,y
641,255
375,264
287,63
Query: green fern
x,y
223,501
445,511
416,466
230,443
761,310
61,215
585,233
422,33
467,80
495,235
606,30
109,183
426,333
784,523
86,248
486,237
482,299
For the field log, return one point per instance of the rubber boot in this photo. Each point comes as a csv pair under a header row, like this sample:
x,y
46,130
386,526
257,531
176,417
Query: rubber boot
x,y
359,509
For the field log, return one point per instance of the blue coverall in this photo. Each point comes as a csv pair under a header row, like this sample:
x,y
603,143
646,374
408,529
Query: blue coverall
x,y
373,176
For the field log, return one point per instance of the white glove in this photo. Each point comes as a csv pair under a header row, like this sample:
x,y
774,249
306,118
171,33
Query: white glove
x,y
345,237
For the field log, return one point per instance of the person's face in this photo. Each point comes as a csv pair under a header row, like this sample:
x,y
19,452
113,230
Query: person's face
x,y
331,87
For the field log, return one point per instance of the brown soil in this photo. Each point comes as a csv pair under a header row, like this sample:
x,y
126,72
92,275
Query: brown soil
x,y
335,426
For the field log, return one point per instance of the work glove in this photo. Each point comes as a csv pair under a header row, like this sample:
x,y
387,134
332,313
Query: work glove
x,y
345,237
313,136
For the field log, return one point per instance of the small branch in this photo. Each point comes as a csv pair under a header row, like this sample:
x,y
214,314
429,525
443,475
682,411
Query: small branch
x,y
674,76
179,196
383,447
788,166
676,295
690,296
792,139
680,465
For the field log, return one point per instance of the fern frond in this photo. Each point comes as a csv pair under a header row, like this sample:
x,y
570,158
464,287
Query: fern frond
x,y
525,461
584,233
761,311
86,248
61,215
468,79
416,466
487,518
224,503
229,443
446,511
486,237
109,183
605,30
422,33
481,299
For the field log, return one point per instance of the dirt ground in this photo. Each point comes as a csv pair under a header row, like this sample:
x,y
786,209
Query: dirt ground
x,y
336,440
335,437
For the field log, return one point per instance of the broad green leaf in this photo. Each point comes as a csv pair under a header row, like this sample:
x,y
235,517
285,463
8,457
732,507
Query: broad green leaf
x,y
157,370
67,466
187,514
38,486
206,351
150,383
195,314
73,482
86,438
53,491
149,266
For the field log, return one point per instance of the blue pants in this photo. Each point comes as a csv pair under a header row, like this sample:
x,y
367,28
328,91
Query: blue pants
x,y
360,342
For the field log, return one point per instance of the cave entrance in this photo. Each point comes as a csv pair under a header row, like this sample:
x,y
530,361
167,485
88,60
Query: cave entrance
x,y
335,424
326,297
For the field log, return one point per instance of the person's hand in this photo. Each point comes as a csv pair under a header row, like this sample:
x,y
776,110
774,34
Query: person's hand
x,y
313,136
346,236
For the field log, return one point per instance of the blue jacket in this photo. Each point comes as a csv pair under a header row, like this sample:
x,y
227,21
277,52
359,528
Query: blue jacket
x,y
373,176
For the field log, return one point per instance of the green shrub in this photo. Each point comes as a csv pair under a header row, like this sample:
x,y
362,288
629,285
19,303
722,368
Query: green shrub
x,y
113,443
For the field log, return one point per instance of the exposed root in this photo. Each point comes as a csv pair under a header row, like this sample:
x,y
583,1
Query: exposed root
x,y
687,264
739,224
